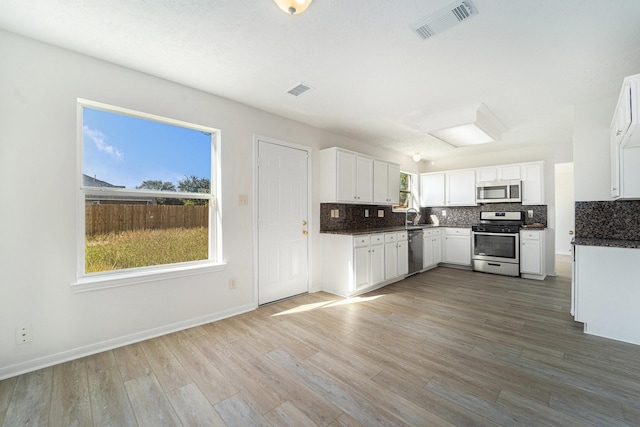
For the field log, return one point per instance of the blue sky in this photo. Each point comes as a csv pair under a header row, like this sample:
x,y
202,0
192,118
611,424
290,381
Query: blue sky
x,y
124,150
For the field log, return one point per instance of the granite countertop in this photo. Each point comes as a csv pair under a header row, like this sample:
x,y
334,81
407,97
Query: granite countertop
x,y
355,232
612,243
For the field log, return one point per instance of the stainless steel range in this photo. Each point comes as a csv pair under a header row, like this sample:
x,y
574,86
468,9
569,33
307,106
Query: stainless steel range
x,y
496,243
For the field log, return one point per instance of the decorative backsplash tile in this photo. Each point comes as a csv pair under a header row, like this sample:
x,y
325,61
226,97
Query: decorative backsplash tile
x,y
619,219
352,217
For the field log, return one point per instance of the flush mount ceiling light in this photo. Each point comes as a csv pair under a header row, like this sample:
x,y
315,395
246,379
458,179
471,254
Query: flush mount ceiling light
x,y
464,128
417,157
293,7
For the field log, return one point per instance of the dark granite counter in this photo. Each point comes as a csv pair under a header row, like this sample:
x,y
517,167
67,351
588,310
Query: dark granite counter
x,y
359,231
611,243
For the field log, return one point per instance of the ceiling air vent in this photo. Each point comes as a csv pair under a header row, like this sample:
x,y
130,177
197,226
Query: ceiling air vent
x,y
444,19
299,90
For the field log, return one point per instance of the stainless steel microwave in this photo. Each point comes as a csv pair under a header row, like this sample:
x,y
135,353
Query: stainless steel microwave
x,y
499,191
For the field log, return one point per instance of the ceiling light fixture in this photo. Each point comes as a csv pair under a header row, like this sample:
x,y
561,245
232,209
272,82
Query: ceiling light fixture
x,y
293,7
417,157
464,128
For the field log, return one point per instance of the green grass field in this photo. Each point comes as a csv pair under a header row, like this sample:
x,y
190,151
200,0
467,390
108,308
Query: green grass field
x,y
144,248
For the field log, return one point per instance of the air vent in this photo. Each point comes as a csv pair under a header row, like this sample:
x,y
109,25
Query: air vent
x,y
444,19
299,90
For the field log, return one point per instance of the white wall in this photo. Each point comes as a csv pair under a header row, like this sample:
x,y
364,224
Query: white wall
x,y
565,207
592,169
39,87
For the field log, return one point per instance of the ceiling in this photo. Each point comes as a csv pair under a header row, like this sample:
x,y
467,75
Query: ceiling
x,y
373,78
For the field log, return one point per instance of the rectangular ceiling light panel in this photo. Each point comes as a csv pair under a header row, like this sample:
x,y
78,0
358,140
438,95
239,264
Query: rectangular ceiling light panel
x,y
444,19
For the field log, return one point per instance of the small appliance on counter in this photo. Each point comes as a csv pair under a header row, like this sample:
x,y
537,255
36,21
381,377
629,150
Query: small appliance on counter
x,y
496,243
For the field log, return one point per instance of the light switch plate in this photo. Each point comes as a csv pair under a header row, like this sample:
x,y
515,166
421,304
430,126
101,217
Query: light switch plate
x,y
380,213
530,213
366,213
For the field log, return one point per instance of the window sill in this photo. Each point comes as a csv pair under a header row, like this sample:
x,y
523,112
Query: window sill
x,y
118,279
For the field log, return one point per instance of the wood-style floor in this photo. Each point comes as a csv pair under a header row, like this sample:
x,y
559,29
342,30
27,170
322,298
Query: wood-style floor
x,y
446,347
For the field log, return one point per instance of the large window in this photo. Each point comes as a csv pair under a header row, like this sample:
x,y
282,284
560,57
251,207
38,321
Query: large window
x,y
408,192
148,192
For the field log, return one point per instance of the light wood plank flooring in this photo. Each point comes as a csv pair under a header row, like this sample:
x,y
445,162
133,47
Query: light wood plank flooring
x,y
446,347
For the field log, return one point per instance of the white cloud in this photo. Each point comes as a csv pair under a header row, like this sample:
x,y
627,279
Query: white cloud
x,y
99,140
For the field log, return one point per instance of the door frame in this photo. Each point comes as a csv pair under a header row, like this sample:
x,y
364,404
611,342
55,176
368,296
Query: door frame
x,y
310,222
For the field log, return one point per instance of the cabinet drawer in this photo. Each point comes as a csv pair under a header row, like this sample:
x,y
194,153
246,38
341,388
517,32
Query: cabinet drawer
x,y
436,232
360,241
427,233
402,235
390,237
377,239
530,235
458,231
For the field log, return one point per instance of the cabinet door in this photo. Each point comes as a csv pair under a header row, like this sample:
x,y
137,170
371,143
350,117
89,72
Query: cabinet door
x,y
533,184
380,182
391,260
403,258
432,189
393,184
457,250
361,267
427,251
615,164
364,179
437,249
486,174
346,179
530,257
377,264
461,188
506,173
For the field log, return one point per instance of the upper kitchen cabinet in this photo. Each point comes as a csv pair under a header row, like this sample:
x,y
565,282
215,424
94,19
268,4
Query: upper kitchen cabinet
x,y
625,142
498,173
346,176
532,183
461,188
432,189
386,183
452,188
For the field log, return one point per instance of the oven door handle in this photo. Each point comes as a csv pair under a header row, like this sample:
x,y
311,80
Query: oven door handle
x,y
483,233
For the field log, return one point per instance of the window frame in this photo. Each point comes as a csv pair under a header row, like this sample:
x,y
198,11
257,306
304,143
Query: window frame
x,y
413,193
115,278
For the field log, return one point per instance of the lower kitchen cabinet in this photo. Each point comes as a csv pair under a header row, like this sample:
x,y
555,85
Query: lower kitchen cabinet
x,y
356,264
457,246
532,254
432,248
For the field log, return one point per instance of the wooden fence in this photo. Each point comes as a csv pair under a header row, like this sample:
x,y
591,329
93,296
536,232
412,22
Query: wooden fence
x,y
116,218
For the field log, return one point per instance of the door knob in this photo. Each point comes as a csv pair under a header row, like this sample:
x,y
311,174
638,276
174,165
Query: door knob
x,y
570,232
305,232
304,222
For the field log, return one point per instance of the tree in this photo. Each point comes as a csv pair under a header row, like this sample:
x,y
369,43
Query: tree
x,y
157,185
193,184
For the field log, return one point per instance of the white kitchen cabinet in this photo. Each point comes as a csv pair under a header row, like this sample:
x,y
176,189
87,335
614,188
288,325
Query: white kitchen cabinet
x,y
390,256
532,254
346,177
607,294
457,246
461,188
432,248
386,183
625,142
403,258
432,189
498,173
361,267
376,259
533,183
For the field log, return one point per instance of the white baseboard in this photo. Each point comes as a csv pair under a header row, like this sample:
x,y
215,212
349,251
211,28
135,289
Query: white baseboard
x,y
88,350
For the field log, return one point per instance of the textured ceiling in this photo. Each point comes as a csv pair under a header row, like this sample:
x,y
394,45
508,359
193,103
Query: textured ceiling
x,y
529,61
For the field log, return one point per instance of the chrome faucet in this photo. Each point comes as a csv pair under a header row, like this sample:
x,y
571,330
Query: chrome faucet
x,y
415,219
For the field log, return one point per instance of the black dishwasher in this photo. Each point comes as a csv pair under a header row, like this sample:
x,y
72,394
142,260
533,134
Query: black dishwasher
x,y
415,251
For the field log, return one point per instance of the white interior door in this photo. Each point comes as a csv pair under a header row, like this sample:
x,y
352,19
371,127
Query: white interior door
x,y
283,269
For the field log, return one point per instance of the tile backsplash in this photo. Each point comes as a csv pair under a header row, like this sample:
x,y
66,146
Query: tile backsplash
x,y
616,219
352,217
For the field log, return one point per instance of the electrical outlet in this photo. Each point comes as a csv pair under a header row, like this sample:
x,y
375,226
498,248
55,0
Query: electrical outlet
x,y
337,212
380,213
243,200
232,283
366,213
24,334
444,213
530,213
